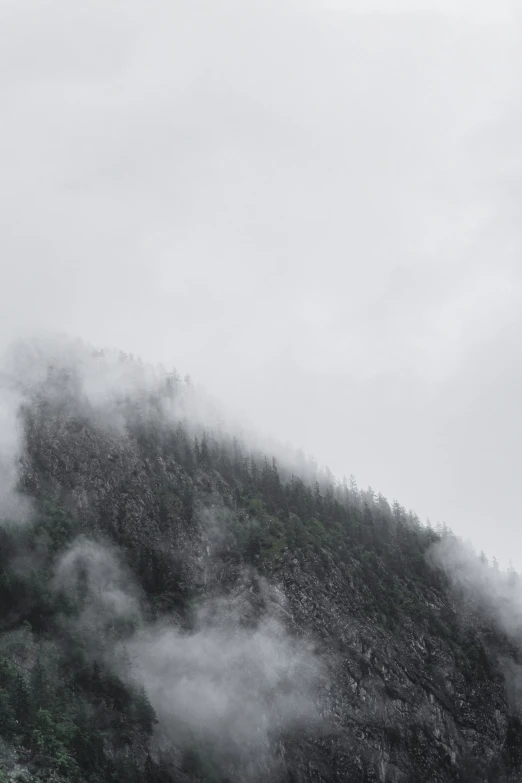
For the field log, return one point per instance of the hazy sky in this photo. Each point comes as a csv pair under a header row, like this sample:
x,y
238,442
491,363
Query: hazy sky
x,y
311,207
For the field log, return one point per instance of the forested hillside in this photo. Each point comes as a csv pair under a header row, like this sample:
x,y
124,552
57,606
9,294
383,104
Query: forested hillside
x,y
176,605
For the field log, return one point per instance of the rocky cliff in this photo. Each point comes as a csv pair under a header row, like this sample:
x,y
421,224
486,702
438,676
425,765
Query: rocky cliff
x,y
178,607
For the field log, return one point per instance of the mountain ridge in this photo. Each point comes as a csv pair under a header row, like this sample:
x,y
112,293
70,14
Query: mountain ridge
x,y
180,608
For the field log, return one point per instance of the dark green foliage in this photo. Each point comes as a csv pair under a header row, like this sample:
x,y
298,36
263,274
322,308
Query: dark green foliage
x,y
70,728
513,744
200,767
68,711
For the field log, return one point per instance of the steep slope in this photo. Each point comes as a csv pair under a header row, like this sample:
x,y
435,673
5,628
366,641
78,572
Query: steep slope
x,y
178,608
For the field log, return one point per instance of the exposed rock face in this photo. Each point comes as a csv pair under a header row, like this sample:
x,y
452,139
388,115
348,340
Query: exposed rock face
x,y
397,699
393,701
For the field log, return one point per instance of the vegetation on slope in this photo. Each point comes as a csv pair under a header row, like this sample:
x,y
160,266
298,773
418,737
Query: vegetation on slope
x,y
64,711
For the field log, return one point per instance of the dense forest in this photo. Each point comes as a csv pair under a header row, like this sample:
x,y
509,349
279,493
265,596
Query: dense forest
x,y
177,605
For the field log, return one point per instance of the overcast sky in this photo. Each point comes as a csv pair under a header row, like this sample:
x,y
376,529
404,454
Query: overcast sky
x,y
311,207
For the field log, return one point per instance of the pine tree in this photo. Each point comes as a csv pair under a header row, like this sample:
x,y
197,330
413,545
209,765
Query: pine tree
x,y
21,701
144,712
38,687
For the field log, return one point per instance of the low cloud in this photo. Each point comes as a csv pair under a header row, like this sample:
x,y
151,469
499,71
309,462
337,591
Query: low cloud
x,y
13,506
226,686
97,584
484,586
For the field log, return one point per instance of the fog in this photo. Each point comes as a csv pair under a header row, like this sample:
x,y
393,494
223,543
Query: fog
x,y
486,595
224,685
312,208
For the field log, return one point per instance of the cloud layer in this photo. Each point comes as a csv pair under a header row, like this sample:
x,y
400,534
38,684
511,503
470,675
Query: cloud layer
x,y
310,208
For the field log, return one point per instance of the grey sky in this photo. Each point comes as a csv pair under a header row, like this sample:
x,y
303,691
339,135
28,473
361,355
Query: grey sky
x,y
312,208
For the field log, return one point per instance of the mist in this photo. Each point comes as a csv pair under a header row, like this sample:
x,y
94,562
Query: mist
x,y
12,504
112,390
232,679
231,684
141,574
310,208
483,585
